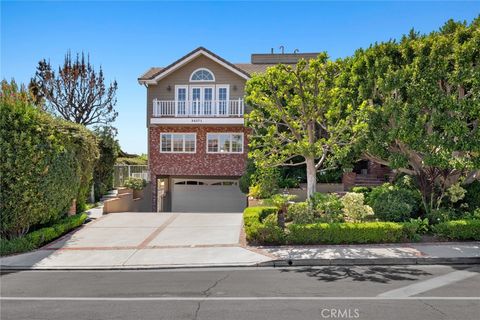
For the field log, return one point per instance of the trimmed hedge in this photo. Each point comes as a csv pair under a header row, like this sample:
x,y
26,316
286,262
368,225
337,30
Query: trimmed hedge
x,y
40,237
348,233
45,163
259,229
252,221
459,229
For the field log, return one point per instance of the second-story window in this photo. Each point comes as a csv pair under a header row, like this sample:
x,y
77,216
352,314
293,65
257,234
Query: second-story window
x,y
225,143
202,74
178,142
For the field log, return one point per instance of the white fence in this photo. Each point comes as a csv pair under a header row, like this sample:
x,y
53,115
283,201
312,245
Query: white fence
x,y
123,172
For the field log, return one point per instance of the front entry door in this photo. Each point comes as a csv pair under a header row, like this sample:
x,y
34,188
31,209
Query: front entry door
x,y
162,195
202,100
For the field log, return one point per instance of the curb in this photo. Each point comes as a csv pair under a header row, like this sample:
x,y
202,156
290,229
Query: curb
x,y
369,262
275,264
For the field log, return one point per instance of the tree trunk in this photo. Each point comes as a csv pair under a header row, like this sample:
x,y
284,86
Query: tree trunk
x,y
281,216
311,177
426,190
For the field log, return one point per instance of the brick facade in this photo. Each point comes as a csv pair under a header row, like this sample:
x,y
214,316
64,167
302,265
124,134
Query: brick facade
x,y
200,163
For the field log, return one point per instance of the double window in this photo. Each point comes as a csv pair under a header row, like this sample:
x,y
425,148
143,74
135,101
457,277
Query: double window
x,y
224,142
178,142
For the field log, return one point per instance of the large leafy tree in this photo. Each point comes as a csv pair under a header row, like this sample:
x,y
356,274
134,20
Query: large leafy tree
x,y
424,98
298,117
77,92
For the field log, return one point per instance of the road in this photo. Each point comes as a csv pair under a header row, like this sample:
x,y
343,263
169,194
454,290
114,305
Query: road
x,y
369,292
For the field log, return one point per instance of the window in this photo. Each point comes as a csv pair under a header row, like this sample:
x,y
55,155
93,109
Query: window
x,y
225,143
178,142
202,75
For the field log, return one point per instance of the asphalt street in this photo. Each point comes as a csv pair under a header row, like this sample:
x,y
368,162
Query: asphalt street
x,y
369,292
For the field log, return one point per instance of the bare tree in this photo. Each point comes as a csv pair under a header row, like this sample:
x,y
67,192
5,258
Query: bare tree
x,y
77,93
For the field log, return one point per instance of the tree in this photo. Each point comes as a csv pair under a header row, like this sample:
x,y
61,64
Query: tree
x,y
298,117
104,167
424,106
77,93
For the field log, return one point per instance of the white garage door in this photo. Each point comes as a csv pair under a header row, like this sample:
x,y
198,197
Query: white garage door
x,y
207,195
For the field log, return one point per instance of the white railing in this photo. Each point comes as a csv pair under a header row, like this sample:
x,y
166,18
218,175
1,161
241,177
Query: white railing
x,y
198,108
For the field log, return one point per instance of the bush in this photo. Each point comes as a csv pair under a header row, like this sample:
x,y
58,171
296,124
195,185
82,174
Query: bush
x,y
300,213
392,203
103,171
330,176
45,164
269,232
353,207
264,183
472,197
253,221
440,215
327,207
42,236
135,183
347,233
459,229
364,190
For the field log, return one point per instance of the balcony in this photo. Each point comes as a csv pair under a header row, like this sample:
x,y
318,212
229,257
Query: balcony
x,y
197,111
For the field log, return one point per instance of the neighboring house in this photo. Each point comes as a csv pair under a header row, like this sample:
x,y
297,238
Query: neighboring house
x,y
197,141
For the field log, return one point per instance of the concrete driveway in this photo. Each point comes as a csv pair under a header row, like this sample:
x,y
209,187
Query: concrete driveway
x,y
146,239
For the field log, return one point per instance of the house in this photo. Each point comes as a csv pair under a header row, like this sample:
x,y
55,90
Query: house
x,y
197,141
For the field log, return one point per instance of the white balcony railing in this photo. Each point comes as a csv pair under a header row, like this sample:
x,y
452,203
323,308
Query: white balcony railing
x,y
198,108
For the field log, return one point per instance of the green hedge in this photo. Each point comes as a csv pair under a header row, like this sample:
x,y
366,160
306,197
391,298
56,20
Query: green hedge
x,y
348,233
252,220
459,229
42,236
258,231
44,164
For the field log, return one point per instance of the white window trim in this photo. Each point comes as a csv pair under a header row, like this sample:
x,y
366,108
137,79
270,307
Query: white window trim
x,y
202,69
220,86
225,133
171,141
177,86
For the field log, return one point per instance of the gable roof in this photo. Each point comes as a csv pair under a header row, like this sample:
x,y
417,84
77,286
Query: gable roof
x,y
153,75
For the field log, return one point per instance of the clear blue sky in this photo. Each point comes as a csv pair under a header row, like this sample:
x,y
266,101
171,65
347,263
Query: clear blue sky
x,y
126,38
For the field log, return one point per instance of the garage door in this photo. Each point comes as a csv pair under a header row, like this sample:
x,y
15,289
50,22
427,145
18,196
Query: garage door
x,y
207,195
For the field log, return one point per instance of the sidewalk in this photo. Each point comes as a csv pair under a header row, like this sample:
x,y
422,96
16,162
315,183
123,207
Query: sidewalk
x,y
381,254
238,256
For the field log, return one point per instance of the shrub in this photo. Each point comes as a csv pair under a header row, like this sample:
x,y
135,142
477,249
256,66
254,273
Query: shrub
x,y
45,163
330,176
348,233
472,197
456,193
353,207
440,215
135,183
42,236
392,203
269,231
364,190
103,171
459,229
264,183
327,207
252,220
300,213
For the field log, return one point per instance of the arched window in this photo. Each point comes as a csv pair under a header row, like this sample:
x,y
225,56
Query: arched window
x,y
202,75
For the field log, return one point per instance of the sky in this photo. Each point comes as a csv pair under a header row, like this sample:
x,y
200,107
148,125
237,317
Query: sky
x,y
126,38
